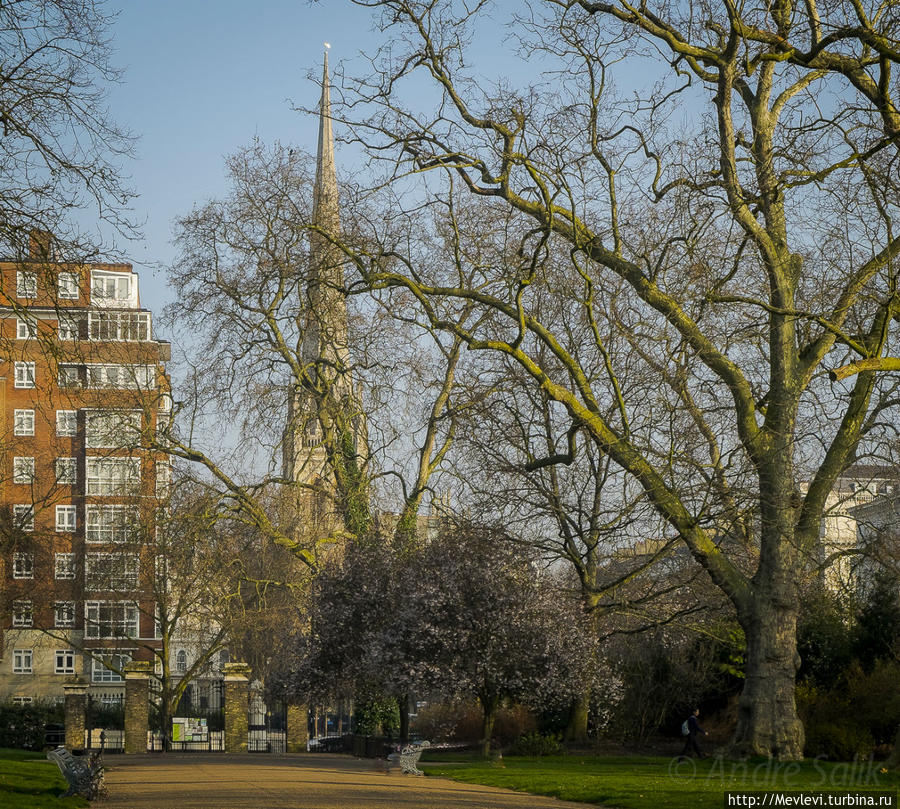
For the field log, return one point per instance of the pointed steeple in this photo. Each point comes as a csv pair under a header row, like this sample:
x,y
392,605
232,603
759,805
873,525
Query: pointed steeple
x,y
326,331
324,405
326,213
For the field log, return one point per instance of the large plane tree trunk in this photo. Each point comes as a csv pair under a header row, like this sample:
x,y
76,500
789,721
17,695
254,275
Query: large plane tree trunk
x,y
768,723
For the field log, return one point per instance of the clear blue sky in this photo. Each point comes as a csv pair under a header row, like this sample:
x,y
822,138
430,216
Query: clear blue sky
x,y
202,79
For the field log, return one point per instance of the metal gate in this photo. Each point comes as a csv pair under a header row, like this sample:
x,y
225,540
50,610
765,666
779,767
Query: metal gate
x,y
104,723
266,726
197,723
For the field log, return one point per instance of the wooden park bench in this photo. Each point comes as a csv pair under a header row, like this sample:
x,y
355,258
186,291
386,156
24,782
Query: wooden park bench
x,y
407,757
84,774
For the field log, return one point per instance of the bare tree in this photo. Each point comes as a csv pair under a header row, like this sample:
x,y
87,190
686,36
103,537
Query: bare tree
x,y
245,284
729,229
586,514
59,151
196,584
187,572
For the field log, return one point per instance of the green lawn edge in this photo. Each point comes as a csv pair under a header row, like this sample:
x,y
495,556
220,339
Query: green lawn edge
x,y
29,781
661,783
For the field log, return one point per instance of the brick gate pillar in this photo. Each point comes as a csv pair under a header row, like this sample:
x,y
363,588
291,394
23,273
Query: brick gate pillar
x,y
237,703
137,705
297,734
75,707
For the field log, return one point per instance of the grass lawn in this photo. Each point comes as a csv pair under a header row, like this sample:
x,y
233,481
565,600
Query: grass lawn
x,y
29,781
660,783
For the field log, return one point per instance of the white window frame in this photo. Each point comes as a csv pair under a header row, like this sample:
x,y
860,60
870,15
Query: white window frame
x,y
66,471
64,566
26,284
66,518
101,674
20,700
111,476
181,662
23,421
64,614
23,514
102,376
24,374
64,661
101,573
163,479
23,469
67,284
111,429
125,625
22,613
67,327
23,565
111,524
66,423
23,662
26,328
129,327
114,289
68,375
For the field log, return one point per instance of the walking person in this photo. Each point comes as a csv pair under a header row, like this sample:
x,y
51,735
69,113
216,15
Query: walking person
x,y
690,739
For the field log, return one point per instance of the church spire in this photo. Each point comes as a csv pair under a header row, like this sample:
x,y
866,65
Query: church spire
x,y
327,325
324,407
325,196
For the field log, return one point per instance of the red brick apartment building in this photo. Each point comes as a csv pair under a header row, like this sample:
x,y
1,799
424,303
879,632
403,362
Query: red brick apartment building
x,y
82,388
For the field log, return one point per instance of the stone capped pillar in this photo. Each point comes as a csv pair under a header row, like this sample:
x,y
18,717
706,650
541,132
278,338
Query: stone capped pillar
x,y
137,705
297,733
75,707
237,703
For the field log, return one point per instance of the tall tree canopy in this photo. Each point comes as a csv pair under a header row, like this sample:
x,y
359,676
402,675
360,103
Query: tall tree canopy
x,y
675,234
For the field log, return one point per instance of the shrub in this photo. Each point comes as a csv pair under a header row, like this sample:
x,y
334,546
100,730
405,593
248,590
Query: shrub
x,y
24,726
460,721
859,711
824,639
438,721
874,699
377,717
654,684
538,744
844,741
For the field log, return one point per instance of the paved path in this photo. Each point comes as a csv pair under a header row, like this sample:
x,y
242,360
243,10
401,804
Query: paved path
x,y
313,781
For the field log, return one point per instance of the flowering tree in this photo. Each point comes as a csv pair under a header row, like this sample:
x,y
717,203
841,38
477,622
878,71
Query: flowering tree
x,y
488,625
467,614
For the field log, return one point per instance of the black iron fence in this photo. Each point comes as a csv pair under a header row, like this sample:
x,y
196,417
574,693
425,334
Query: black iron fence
x,y
267,728
104,723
